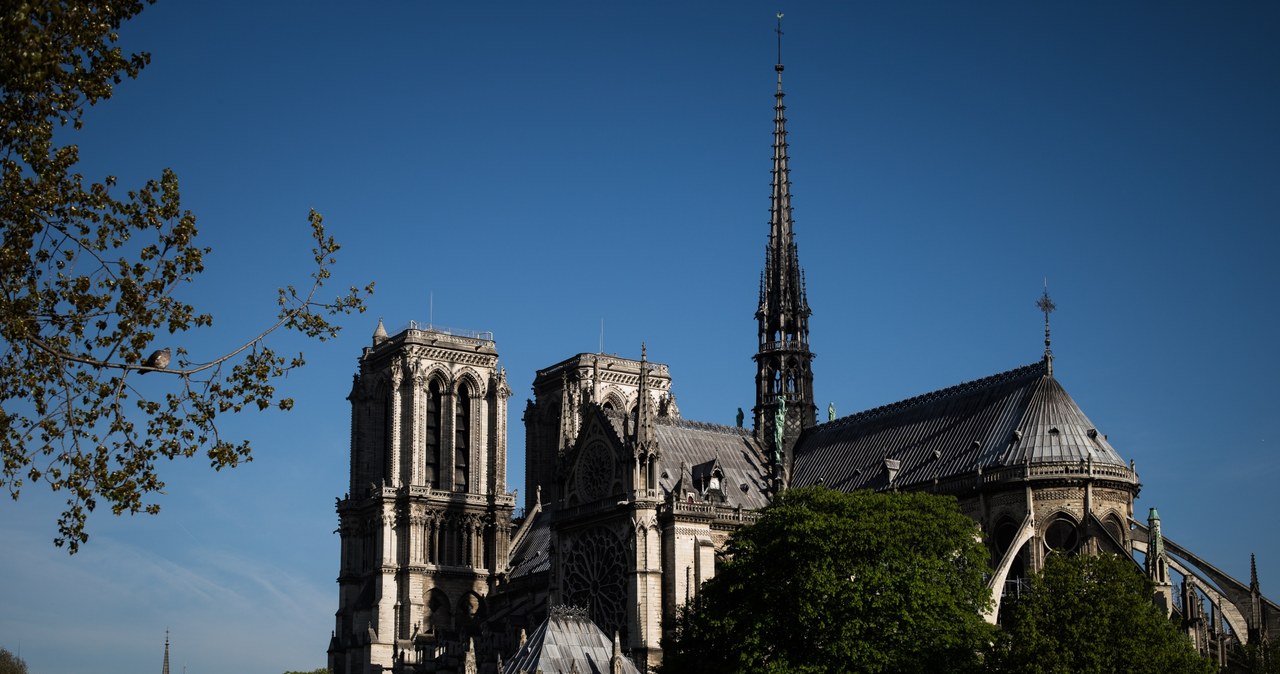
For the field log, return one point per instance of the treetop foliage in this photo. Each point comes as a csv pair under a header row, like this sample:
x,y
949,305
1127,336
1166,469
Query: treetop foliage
x,y
1088,614
827,581
89,282
11,664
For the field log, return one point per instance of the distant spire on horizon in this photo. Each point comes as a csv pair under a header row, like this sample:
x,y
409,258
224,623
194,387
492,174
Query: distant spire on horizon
x,y
166,651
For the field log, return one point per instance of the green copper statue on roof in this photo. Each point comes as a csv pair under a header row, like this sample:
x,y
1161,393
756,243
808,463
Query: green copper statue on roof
x,y
779,425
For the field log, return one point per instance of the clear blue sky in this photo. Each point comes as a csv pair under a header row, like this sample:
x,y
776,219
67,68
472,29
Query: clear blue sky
x,y
535,168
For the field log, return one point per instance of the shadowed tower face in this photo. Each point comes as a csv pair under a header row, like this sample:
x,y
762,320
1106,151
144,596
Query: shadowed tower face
x,y
783,362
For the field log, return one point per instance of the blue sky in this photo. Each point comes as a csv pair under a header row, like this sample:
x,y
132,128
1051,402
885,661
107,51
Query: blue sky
x,y
534,169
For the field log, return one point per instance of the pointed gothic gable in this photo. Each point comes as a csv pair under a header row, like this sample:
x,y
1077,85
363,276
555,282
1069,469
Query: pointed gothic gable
x,y
598,461
1019,417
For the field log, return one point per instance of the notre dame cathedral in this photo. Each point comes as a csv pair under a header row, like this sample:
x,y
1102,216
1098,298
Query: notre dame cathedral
x,y
627,503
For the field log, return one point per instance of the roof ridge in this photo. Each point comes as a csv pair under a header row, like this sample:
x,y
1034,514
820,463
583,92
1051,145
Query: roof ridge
x,y
681,422
962,388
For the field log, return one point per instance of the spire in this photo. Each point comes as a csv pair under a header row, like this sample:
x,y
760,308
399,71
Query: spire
x,y
379,334
1046,305
615,662
645,437
784,376
166,652
469,665
1257,619
782,288
1157,563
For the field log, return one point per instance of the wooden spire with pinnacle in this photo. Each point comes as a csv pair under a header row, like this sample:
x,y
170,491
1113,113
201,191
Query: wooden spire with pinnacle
x,y
784,375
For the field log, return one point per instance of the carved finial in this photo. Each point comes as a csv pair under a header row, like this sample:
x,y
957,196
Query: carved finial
x,y
615,662
642,352
1046,305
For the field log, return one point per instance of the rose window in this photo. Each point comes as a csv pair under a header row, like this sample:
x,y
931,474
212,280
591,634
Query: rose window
x,y
595,573
595,472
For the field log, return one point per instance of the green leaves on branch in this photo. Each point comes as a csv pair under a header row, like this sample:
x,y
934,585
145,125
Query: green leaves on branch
x,y
89,285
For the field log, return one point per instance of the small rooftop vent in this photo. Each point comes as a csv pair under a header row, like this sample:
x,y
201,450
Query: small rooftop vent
x,y
1054,430
1092,433
891,467
1017,435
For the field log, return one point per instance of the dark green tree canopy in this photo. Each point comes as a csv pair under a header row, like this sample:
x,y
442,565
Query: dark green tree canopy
x,y
1092,615
832,582
89,289
1255,658
11,664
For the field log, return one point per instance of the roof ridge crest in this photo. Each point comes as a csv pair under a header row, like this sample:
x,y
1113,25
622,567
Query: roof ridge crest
x,y
939,394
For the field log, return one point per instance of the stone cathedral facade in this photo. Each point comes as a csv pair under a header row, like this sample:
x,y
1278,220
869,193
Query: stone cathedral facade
x,y
627,503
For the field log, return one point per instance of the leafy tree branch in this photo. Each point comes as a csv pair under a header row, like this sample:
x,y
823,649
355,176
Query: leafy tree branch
x,y
90,284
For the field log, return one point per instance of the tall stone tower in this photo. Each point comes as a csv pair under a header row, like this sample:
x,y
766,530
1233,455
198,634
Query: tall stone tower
x,y
426,524
783,362
554,416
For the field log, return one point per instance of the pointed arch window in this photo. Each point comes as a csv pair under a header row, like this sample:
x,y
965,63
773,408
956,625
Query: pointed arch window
x,y
431,450
462,440
386,437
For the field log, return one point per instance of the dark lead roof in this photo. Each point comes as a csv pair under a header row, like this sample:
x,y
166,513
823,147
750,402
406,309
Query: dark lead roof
x,y
698,446
1015,417
532,554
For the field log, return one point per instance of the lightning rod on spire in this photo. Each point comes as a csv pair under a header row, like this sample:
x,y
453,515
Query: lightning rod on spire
x,y
778,30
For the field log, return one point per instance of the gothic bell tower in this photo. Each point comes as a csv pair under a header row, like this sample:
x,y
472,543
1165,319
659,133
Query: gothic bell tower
x,y
784,373
426,523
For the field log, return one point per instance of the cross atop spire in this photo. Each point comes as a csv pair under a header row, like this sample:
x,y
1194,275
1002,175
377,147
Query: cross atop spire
x,y
1046,305
778,30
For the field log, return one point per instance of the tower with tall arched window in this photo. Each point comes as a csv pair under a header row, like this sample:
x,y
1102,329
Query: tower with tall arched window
x,y
426,521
